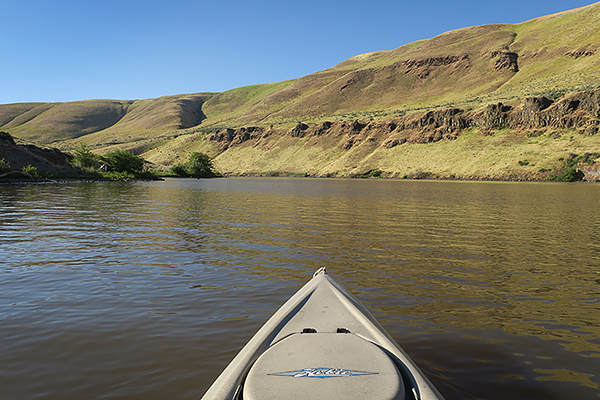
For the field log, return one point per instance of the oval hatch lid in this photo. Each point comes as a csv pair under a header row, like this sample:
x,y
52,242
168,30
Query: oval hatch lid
x,y
324,366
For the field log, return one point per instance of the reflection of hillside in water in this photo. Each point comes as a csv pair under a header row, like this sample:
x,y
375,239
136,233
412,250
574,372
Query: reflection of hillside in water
x,y
517,257
434,256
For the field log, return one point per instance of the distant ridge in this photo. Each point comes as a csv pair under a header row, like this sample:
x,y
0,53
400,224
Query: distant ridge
x,y
55,122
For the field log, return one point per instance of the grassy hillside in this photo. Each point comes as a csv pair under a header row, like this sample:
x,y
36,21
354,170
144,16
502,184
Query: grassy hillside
x,y
463,71
101,121
559,53
468,67
537,139
51,122
472,156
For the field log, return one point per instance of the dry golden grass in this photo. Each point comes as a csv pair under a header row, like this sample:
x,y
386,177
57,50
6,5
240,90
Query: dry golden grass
x,y
101,121
472,156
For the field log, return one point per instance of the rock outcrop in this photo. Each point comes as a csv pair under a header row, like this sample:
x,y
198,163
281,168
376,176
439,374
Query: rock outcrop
x,y
46,160
505,61
231,137
579,111
580,53
422,68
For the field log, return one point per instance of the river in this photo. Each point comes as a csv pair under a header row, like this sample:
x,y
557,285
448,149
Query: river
x,y
146,290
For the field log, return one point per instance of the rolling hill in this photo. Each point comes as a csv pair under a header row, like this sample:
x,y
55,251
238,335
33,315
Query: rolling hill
x,y
473,87
100,120
467,68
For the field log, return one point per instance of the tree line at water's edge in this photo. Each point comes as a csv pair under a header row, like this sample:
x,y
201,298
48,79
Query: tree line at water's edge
x,y
115,165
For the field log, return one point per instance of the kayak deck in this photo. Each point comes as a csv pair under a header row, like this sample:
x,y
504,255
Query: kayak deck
x,y
322,343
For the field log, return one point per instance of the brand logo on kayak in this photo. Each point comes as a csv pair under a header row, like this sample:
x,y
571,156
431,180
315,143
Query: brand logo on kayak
x,y
323,373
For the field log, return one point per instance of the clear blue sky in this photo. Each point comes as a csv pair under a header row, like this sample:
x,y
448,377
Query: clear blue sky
x,y
65,50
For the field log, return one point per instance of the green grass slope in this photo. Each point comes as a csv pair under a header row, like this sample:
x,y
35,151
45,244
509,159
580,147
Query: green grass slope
x,y
51,122
466,67
101,120
557,53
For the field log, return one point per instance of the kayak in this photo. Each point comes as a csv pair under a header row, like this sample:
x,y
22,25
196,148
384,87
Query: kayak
x,y
322,344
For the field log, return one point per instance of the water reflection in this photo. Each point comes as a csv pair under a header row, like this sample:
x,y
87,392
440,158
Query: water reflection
x,y
492,287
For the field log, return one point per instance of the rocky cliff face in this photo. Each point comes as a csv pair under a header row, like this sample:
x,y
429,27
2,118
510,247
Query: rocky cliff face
x,y
579,111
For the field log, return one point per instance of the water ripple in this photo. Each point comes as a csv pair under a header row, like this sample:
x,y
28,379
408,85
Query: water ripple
x,y
148,289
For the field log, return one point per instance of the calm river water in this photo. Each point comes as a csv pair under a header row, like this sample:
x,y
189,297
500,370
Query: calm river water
x,y
146,290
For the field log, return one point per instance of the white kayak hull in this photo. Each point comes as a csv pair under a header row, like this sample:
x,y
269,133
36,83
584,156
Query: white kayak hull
x,y
322,344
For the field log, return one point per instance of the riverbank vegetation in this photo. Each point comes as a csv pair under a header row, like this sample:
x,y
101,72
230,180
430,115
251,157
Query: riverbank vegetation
x,y
4,166
27,161
117,164
199,165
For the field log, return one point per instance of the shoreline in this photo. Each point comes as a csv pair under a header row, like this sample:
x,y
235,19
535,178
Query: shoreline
x,y
67,180
579,175
456,179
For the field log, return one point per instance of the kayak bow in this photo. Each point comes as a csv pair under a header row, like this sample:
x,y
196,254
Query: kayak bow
x,y
322,343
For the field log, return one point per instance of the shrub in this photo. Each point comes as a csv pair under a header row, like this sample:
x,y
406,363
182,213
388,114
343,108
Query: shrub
x,y
31,170
570,175
523,163
84,158
588,158
123,161
418,174
200,166
179,170
4,166
118,176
